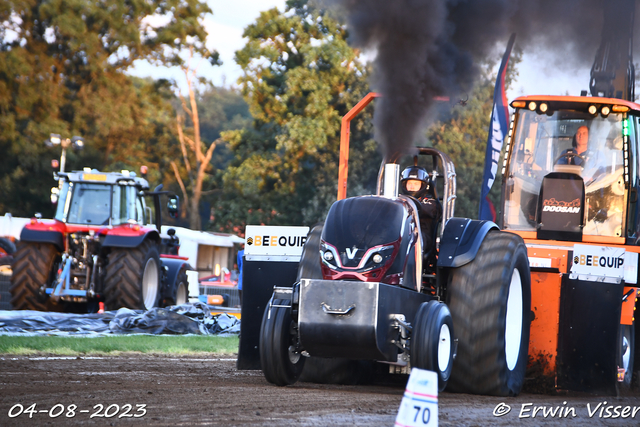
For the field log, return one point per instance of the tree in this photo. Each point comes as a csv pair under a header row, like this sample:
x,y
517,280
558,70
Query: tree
x,y
62,70
208,113
300,77
198,148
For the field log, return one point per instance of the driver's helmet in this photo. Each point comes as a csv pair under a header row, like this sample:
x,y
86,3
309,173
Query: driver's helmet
x,y
415,181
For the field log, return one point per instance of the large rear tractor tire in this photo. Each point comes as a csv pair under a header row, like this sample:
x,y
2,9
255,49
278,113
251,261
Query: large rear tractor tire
x,y
133,277
490,302
432,341
280,364
33,266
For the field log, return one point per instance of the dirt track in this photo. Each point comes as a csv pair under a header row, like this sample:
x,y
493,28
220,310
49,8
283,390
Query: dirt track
x,y
197,391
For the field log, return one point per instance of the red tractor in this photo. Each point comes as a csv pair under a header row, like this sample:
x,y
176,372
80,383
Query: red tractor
x,y
100,247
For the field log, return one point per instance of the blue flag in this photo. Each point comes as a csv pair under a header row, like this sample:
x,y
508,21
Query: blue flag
x,y
498,130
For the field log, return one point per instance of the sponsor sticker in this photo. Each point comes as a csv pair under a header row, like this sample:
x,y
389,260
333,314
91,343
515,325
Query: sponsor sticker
x,y
272,241
553,205
539,262
562,206
598,262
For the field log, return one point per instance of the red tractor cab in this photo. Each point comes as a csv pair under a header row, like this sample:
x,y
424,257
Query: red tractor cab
x,y
103,245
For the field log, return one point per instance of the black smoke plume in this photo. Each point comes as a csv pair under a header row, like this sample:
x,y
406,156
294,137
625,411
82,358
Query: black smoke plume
x,y
430,48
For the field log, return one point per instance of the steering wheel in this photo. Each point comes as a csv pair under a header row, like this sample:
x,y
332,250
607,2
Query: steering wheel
x,y
570,154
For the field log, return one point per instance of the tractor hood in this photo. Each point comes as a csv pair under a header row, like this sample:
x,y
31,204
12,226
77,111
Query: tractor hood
x,y
366,238
362,223
54,231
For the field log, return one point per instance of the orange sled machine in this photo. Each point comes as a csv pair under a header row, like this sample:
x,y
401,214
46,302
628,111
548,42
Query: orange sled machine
x,y
570,190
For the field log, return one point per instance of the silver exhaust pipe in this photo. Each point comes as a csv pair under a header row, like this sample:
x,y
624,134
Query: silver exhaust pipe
x,y
391,180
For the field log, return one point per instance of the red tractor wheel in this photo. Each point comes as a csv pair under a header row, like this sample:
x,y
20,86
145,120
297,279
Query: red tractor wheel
x,y
133,277
180,291
33,266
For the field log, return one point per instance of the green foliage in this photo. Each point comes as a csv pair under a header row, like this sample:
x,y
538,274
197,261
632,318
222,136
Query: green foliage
x,y
62,67
300,78
113,345
219,110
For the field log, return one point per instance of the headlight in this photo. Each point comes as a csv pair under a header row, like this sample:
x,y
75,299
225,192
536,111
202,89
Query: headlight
x,y
328,256
544,107
377,258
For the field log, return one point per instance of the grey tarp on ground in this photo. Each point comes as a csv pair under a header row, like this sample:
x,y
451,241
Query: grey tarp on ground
x,y
193,318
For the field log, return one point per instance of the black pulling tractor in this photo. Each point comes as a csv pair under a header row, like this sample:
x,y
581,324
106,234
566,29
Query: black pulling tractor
x,y
370,288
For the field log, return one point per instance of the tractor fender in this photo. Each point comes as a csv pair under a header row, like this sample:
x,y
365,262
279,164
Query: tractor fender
x,y
172,267
461,240
129,240
36,235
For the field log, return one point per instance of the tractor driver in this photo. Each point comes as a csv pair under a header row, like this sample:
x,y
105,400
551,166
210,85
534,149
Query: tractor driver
x,y
582,154
580,148
592,160
415,182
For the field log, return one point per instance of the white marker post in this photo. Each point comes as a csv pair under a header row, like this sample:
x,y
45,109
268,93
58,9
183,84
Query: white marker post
x,y
419,406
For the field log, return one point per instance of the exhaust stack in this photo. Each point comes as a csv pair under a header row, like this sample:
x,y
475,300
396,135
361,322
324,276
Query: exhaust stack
x,y
391,180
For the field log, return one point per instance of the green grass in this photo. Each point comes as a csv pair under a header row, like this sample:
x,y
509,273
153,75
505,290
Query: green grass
x,y
117,345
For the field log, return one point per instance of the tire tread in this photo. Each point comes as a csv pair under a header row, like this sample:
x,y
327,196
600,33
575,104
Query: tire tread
x,y
477,300
32,267
123,281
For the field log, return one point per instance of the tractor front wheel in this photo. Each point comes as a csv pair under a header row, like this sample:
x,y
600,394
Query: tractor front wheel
x,y
133,277
180,290
490,302
33,266
432,340
182,295
280,364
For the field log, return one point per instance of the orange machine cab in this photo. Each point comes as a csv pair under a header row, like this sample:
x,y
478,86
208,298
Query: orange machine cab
x,y
570,190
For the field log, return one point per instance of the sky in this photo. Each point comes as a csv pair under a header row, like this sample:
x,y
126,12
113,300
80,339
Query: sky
x,y
539,74
225,28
